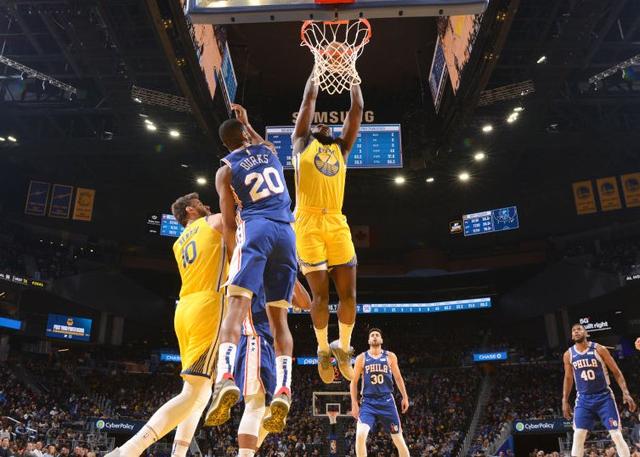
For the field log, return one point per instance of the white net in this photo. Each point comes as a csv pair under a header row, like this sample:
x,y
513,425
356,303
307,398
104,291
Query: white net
x,y
336,47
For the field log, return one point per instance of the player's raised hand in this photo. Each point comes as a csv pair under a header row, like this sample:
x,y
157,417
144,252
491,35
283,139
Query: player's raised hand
x,y
627,400
405,404
241,113
355,410
566,410
638,344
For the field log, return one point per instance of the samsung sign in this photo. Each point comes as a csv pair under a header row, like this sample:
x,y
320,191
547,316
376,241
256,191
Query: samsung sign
x,y
542,426
490,356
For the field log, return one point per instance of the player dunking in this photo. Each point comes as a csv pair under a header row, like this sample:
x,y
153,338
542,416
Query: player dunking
x,y
323,238
588,363
378,368
201,258
263,246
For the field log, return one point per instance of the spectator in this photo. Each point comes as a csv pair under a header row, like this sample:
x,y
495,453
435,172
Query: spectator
x,y
50,451
4,448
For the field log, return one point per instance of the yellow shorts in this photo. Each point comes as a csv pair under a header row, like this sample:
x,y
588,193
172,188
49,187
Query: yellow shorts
x,y
323,240
197,324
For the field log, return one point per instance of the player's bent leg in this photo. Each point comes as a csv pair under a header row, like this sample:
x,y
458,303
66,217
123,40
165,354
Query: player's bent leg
x,y
579,437
186,429
225,392
362,432
621,445
275,421
250,425
319,283
344,278
400,444
195,394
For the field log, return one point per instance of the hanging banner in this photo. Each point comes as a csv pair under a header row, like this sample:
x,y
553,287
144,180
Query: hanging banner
x,y
37,197
631,189
583,196
609,194
83,209
60,201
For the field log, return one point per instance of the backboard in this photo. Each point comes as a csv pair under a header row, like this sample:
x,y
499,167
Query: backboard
x,y
253,11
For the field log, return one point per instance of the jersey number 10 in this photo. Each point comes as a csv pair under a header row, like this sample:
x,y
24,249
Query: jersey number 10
x,y
189,254
271,177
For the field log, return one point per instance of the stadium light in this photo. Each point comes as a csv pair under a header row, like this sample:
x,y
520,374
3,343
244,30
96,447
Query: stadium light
x,y
464,176
487,128
137,100
518,109
430,179
174,133
479,156
152,127
512,118
399,180
184,165
148,121
12,138
541,59
200,180
2,138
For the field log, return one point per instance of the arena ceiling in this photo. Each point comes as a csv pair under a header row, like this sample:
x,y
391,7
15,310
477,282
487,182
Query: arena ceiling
x,y
568,129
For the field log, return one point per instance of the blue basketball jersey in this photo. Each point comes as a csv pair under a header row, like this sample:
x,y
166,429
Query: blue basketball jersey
x,y
377,380
259,184
589,370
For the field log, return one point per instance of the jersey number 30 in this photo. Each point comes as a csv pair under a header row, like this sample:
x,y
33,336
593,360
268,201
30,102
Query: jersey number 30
x,y
588,375
377,379
271,177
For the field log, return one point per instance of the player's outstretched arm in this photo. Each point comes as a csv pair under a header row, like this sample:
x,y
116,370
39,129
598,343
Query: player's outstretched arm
x,y
613,367
353,388
242,116
215,222
397,377
305,116
227,207
567,386
353,120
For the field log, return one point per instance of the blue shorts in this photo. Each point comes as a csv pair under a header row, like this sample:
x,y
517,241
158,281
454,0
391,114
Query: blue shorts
x,y
592,407
255,367
265,254
382,410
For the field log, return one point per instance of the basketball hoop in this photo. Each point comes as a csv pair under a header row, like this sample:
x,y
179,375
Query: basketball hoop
x,y
336,46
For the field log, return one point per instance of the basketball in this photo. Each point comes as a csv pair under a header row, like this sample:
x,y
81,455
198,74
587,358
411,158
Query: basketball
x,y
336,53
301,298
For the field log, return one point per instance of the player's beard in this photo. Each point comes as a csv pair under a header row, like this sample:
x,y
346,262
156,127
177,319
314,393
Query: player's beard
x,y
580,340
324,139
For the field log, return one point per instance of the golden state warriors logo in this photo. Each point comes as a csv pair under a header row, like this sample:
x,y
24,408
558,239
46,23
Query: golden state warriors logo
x,y
69,321
326,162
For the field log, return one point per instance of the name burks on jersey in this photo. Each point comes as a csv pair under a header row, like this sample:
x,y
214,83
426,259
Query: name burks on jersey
x,y
376,368
254,161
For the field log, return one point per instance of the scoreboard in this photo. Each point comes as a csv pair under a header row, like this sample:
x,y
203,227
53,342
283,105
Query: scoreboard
x,y
414,308
495,220
169,226
377,146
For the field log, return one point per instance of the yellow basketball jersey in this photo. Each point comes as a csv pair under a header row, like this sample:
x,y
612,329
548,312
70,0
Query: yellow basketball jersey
x,y
201,258
320,176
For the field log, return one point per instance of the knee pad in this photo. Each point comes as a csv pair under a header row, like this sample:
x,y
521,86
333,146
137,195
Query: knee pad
x,y
254,408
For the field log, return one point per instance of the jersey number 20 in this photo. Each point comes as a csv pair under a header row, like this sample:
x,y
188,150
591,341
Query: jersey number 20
x,y
588,375
271,177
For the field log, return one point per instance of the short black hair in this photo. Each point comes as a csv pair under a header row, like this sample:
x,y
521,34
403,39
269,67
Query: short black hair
x,y
230,132
375,329
577,324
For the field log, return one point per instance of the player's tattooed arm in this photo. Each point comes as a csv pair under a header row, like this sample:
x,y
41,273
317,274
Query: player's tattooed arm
x,y
353,388
613,367
397,376
301,133
567,386
353,120
227,208
242,116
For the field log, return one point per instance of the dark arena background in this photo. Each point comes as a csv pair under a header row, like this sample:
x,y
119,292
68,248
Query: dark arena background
x,y
494,201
